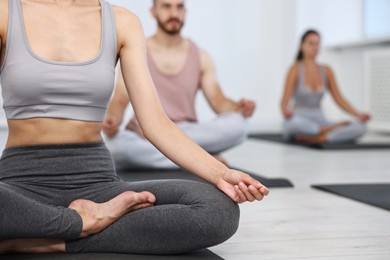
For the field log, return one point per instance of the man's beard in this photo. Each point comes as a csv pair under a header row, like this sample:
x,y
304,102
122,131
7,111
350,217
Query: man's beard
x,y
173,31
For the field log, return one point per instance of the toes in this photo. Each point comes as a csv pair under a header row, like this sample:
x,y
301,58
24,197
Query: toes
x,y
149,196
134,198
141,206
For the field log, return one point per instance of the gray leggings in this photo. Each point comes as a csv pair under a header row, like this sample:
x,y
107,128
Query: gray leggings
x,y
37,183
309,121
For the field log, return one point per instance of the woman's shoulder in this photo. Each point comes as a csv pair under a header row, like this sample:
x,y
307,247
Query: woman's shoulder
x,y
3,16
294,68
326,68
124,15
128,24
3,6
296,65
323,65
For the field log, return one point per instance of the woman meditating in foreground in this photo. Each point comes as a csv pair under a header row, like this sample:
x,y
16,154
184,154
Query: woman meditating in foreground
x,y
59,191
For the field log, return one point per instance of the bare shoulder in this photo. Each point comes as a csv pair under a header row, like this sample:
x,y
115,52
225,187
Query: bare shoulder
x,y
3,9
294,68
126,22
4,6
124,15
3,16
327,69
204,54
205,59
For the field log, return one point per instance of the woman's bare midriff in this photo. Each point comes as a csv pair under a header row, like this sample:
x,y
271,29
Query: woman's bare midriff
x,y
41,131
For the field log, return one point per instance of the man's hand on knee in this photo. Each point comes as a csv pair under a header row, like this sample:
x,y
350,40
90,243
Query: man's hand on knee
x,y
246,107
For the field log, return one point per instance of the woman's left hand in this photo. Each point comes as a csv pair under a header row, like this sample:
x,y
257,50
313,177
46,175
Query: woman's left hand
x,y
241,187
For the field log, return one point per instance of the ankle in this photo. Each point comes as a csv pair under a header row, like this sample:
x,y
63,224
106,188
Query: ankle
x,y
323,138
5,246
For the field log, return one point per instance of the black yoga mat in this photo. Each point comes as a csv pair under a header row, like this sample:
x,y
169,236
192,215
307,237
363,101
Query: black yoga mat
x,y
374,194
342,146
201,254
159,174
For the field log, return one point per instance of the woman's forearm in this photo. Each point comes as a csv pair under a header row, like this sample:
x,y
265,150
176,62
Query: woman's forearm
x,y
343,104
174,144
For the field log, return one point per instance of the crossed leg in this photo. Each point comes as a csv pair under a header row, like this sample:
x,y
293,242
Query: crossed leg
x,y
95,217
322,136
187,216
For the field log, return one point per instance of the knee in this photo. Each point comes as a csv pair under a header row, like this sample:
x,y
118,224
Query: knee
x,y
227,217
227,131
297,125
236,128
358,128
293,125
223,216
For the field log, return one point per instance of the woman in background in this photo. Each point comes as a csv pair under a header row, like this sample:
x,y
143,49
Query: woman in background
x,y
306,84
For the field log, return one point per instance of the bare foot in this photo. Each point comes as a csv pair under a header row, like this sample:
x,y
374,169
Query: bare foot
x,y
220,158
3,247
97,217
32,246
311,139
321,138
328,129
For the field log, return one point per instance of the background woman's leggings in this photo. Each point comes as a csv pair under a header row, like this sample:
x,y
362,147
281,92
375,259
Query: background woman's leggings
x,y
309,121
37,183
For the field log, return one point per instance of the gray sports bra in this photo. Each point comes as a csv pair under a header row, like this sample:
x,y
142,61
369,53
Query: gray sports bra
x,y
33,87
303,96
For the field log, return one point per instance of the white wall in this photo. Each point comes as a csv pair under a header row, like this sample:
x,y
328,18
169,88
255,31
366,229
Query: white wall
x,y
338,21
377,18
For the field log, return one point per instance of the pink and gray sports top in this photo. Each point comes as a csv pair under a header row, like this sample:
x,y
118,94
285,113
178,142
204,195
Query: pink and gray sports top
x,y
33,87
303,96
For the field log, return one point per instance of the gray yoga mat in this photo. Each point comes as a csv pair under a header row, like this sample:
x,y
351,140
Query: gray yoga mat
x,y
159,174
201,254
373,194
277,138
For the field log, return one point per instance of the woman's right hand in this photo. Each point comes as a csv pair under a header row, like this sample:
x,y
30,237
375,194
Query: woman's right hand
x,y
241,187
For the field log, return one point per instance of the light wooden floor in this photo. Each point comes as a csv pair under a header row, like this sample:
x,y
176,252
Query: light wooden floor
x,y
303,223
